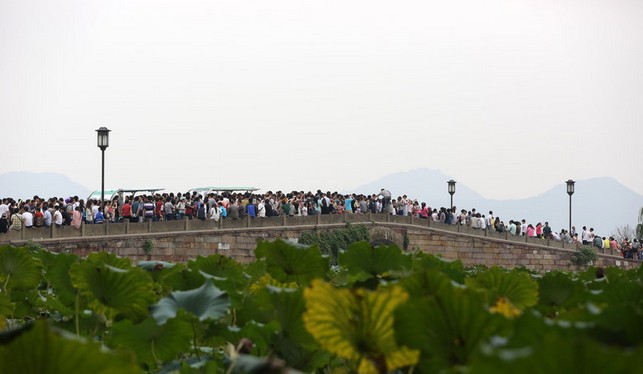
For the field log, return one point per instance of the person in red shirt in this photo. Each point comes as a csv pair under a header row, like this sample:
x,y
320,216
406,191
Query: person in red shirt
x,y
158,209
127,211
539,230
39,218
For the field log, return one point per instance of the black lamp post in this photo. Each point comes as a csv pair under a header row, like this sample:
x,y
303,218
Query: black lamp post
x,y
570,192
103,143
451,190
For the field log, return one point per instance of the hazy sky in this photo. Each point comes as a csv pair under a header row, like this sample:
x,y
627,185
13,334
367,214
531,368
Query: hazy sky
x,y
508,97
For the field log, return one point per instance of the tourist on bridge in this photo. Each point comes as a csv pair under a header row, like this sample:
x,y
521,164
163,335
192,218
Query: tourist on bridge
x,y
386,199
4,223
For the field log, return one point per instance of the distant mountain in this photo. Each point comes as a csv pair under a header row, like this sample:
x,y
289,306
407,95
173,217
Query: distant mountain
x,y
601,203
24,185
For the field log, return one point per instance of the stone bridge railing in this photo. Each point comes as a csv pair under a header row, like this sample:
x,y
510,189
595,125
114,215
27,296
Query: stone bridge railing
x,y
185,225
185,239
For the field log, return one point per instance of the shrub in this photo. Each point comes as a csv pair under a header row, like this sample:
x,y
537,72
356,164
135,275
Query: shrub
x,y
585,255
330,243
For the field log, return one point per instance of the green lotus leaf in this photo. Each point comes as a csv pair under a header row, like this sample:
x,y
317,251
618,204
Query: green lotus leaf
x,y
357,325
555,351
226,272
288,307
363,258
38,348
151,342
558,292
178,278
515,285
453,268
291,342
58,269
110,259
112,291
426,283
166,275
6,309
621,318
18,268
289,263
445,322
259,336
205,302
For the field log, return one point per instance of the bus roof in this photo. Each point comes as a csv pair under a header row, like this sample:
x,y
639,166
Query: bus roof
x,y
224,189
110,193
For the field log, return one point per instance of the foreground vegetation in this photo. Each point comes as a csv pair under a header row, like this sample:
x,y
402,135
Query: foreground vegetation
x,y
367,310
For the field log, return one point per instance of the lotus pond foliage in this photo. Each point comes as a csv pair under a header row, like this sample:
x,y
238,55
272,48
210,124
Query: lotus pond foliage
x,y
354,308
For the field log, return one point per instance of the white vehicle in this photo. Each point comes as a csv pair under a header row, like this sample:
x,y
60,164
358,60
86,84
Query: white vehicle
x,y
121,193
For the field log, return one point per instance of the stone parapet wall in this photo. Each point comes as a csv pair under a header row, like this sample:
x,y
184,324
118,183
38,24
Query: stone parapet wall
x,y
476,250
188,240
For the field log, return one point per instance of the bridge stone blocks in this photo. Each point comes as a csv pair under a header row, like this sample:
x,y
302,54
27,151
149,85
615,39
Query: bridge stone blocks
x,y
186,239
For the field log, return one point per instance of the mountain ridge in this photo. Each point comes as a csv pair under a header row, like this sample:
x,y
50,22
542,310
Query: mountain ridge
x,y
600,202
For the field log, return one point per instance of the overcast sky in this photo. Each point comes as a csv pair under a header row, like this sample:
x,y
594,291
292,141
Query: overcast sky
x,y
508,97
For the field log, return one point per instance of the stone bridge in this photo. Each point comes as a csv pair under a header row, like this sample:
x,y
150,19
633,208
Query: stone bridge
x,y
178,241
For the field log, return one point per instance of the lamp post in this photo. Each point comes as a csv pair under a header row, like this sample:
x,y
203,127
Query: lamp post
x,y
451,184
103,143
570,192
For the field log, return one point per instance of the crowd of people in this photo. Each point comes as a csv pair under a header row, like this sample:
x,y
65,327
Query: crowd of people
x,y
73,212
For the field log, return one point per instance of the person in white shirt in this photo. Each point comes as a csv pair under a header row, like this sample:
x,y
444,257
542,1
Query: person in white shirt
x,y
489,220
4,208
58,217
94,210
27,218
261,209
47,218
214,213
523,228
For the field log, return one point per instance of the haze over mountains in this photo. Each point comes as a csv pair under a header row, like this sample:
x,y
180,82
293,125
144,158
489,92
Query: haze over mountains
x,y
602,203
24,185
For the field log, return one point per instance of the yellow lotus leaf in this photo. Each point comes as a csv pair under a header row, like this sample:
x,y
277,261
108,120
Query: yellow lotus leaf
x,y
267,280
357,325
505,307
